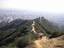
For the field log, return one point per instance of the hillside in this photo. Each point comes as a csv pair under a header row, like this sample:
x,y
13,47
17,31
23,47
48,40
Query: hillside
x,y
51,29
25,33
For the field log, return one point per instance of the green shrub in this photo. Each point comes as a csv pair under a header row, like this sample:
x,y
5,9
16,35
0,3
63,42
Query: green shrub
x,y
25,40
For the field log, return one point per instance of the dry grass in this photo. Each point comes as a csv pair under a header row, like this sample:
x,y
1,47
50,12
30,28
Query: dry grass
x,y
47,43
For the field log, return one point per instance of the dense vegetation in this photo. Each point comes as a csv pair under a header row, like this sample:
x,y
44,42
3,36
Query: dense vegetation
x,y
18,32
50,29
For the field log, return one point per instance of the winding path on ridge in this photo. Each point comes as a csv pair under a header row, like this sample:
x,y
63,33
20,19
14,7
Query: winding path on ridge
x,y
39,42
44,42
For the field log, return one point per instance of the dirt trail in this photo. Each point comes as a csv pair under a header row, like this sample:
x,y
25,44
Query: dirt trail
x,y
45,42
33,28
39,43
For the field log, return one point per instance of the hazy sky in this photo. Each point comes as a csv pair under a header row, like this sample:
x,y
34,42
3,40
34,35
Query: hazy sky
x,y
52,6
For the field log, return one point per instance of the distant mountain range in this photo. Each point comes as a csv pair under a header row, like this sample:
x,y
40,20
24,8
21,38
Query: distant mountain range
x,y
9,15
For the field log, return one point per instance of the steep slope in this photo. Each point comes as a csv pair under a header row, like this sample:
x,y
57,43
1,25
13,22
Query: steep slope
x,y
9,32
44,41
42,38
50,29
39,32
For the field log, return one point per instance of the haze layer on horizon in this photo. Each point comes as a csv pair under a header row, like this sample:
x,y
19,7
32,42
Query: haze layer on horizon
x,y
50,6
51,9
